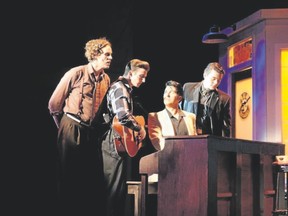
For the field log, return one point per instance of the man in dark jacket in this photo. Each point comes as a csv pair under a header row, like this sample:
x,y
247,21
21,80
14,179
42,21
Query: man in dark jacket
x,y
210,104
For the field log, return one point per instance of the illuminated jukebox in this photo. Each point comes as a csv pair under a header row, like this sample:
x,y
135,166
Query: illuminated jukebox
x,y
255,58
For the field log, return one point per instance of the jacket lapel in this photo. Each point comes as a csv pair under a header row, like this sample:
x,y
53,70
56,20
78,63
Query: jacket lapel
x,y
188,123
167,127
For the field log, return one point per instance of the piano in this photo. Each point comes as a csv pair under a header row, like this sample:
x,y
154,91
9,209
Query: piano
x,y
209,175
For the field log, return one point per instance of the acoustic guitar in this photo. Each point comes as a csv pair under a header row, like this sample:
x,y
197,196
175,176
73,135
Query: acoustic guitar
x,y
126,140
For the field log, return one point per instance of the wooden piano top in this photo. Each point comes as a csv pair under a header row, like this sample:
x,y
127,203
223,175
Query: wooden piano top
x,y
149,164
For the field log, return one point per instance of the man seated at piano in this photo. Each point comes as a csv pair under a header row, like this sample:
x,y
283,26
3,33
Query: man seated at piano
x,y
171,121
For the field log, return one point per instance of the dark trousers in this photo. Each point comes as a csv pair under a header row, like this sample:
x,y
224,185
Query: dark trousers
x,y
80,173
115,172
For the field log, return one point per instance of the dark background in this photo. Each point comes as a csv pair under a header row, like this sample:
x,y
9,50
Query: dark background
x,y
45,39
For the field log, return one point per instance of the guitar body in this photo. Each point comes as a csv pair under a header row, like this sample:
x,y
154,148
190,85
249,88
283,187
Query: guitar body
x,y
125,139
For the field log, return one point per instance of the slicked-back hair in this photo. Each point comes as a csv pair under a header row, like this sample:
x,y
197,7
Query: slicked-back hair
x,y
136,63
213,66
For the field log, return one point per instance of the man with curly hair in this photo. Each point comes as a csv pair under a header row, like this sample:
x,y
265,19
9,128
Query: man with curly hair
x,y
74,106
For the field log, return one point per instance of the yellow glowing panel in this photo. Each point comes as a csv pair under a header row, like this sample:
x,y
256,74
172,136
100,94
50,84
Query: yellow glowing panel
x,y
284,96
243,111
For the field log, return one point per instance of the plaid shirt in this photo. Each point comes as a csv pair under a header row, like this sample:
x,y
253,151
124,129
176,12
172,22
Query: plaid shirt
x,y
120,103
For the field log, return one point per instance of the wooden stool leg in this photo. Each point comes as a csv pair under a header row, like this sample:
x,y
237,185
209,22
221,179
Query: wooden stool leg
x,y
144,192
134,188
140,190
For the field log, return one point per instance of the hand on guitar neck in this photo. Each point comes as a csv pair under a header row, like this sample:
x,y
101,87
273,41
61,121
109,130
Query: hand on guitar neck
x,y
126,140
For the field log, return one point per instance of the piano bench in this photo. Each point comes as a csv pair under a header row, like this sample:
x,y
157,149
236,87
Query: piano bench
x,y
134,187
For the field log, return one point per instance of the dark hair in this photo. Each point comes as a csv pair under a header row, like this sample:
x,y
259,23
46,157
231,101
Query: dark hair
x,y
177,85
214,66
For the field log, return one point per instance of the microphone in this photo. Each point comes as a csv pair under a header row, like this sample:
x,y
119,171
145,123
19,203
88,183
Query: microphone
x,y
140,105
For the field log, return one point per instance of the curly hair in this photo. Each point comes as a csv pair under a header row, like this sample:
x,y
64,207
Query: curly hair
x,y
94,47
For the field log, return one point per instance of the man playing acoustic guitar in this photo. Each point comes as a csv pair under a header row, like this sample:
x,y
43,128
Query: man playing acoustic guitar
x,y
125,135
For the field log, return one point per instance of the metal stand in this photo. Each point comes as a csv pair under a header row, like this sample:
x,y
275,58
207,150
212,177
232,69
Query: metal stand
x,y
281,201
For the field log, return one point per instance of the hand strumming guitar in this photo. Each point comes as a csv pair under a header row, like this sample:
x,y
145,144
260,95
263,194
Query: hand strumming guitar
x,y
141,134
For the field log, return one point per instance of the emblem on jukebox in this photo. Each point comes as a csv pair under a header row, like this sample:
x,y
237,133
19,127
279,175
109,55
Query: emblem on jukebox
x,y
244,108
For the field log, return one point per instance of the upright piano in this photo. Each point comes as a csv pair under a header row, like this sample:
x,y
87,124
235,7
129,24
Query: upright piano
x,y
209,175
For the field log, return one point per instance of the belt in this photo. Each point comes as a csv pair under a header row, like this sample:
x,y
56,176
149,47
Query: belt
x,y
71,116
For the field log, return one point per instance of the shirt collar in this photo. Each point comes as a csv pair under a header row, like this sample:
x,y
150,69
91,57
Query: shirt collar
x,y
125,82
92,73
181,114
